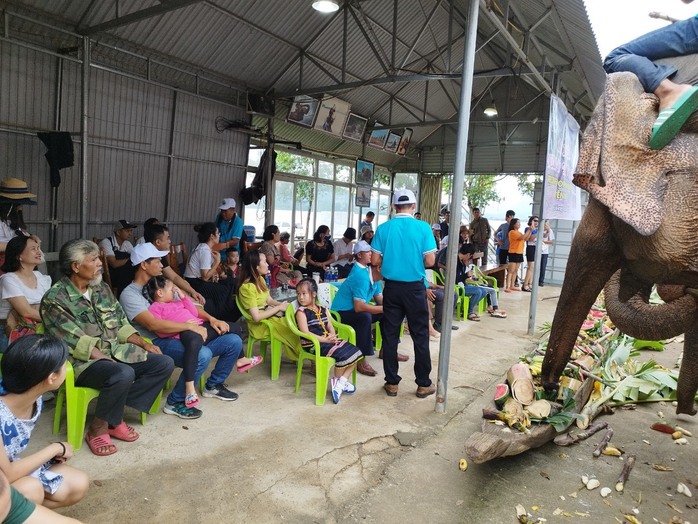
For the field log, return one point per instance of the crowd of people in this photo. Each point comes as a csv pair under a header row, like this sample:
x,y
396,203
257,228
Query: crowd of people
x,y
126,339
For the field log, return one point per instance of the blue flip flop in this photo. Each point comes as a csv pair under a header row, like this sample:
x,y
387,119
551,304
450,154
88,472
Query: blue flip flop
x,y
669,121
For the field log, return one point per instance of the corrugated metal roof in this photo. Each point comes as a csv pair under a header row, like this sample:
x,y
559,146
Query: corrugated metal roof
x,y
261,45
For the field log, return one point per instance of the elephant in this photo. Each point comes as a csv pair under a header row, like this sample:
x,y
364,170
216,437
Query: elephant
x,y
640,229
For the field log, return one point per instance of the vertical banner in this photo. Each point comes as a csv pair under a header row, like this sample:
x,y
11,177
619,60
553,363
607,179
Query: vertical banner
x,y
562,198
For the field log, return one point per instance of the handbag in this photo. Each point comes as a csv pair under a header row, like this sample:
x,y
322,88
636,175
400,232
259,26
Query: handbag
x,y
17,326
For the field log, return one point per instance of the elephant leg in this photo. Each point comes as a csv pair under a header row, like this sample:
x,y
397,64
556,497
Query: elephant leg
x,y
594,257
688,376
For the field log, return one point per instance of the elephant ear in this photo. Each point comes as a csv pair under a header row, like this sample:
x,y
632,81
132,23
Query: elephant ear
x,y
616,165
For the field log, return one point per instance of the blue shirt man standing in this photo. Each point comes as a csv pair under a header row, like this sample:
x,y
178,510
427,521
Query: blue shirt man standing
x,y
401,250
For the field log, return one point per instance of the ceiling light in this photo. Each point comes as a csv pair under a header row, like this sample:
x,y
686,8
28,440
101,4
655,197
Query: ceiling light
x,y
491,110
326,6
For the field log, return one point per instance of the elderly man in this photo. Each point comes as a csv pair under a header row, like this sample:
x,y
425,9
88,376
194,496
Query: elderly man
x,y
480,232
229,226
117,248
353,303
343,252
401,251
107,352
227,347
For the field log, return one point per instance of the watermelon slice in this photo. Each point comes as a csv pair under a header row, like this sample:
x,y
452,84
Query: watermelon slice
x,y
501,394
588,324
597,314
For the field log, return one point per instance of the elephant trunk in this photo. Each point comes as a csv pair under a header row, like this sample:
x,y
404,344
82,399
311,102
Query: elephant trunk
x,y
639,319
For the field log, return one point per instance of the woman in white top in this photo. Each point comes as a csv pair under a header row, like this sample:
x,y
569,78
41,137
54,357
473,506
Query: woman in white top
x,y
22,287
202,275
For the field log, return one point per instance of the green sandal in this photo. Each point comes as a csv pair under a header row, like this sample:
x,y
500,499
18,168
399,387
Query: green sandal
x,y
669,121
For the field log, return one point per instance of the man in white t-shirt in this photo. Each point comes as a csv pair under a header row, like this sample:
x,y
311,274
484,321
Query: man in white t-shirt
x,y
343,250
117,248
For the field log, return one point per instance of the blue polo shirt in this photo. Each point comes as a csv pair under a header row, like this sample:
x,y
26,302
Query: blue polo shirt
x,y
403,242
357,286
229,230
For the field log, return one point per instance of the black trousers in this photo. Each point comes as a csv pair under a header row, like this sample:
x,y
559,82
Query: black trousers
x,y
408,299
361,322
192,343
135,385
220,298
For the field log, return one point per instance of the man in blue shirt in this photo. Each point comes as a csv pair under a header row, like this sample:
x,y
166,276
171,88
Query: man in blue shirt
x,y
229,225
402,248
352,302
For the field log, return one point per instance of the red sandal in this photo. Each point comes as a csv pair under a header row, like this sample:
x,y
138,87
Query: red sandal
x,y
254,361
100,441
124,432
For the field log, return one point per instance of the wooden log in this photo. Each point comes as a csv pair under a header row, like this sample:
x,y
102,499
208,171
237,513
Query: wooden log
x,y
521,383
493,441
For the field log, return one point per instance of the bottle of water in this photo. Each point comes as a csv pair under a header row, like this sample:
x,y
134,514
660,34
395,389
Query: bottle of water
x,y
328,274
267,278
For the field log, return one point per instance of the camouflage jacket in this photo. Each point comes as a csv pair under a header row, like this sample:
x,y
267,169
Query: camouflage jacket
x,y
86,324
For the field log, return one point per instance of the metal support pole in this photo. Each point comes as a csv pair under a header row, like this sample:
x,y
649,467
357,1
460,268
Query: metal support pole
x,y
83,134
458,178
53,231
268,176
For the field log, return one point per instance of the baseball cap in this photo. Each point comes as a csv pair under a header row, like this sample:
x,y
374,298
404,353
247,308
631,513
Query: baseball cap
x,y
123,224
143,252
361,246
404,196
227,203
436,227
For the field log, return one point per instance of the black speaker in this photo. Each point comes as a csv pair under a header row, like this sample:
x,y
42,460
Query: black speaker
x,y
260,104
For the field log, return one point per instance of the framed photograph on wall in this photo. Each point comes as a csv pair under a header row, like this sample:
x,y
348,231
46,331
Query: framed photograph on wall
x,y
393,142
404,141
363,196
378,137
354,130
303,111
364,173
332,115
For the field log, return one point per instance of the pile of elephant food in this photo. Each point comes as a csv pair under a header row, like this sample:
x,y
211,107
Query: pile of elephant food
x,y
602,355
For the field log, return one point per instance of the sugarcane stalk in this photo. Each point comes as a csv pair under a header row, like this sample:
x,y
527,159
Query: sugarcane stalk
x,y
604,442
625,473
568,438
588,374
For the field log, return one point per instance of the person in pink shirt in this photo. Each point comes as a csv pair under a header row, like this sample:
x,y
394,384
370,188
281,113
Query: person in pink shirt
x,y
169,303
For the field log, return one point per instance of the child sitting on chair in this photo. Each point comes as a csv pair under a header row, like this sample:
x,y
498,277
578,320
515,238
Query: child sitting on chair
x,y
232,263
168,303
32,366
315,319
467,276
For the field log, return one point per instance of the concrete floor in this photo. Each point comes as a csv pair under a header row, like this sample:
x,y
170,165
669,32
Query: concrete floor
x,y
273,456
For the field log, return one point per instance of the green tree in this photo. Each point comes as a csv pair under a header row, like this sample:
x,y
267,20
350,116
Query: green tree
x,y
478,190
526,183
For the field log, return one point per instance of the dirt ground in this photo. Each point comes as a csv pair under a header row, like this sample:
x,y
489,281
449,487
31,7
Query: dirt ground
x,y
273,456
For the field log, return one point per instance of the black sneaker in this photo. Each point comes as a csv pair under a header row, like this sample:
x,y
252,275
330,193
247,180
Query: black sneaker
x,y
220,392
182,411
437,327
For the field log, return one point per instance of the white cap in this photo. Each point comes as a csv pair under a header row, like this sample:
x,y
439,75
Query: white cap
x,y
436,227
145,251
227,203
361,246
404,196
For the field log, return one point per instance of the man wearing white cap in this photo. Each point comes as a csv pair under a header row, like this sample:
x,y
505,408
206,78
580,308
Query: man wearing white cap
x,y
117,248
229,225
227,347
402,248
353,303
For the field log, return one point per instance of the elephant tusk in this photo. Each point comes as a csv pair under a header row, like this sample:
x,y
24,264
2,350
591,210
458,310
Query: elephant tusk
x,y
692,291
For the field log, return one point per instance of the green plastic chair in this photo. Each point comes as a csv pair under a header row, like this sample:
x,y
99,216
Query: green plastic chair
x,y
77,399
462,301
322,364
276,346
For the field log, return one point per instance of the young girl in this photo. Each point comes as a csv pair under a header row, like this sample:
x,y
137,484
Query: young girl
x,y
314,319
31,366
169,303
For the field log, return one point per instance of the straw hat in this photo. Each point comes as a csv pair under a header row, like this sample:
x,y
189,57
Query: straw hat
x,y
15,189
